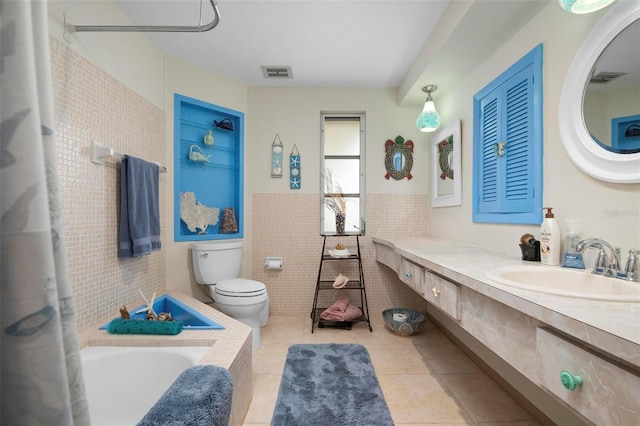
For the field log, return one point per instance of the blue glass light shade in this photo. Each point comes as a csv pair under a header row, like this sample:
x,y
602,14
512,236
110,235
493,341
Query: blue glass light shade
x,y
429,119
584,6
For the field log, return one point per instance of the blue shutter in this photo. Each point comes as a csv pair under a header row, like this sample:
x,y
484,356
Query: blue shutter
x,y
508,188
489,189
519,137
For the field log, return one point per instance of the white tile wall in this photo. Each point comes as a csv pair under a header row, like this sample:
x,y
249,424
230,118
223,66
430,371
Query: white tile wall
x,y
91,105
287,225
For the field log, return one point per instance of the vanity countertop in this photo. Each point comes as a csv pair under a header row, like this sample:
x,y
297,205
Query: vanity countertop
x,y
613,327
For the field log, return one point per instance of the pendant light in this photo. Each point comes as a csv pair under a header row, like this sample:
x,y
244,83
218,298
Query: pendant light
x,y
584,6
429,119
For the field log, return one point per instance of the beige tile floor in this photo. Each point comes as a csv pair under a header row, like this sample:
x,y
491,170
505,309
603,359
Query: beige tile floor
x,y
426,379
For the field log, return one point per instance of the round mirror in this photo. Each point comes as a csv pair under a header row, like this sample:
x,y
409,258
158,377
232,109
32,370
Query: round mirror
x,y
599,109
611,105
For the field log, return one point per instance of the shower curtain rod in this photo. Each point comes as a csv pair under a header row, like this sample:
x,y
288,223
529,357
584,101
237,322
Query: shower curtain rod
x,y
150,28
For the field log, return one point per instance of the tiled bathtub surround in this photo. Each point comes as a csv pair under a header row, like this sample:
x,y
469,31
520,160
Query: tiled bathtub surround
x,y
91,105
230,348
287,225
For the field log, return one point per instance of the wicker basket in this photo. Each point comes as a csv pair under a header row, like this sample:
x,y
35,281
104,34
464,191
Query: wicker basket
x,y
414,323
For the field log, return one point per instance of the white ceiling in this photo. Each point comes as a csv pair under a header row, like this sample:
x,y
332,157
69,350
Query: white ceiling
x,y
400,44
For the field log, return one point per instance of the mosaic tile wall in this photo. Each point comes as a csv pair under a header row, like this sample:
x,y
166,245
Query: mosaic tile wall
x,y
293,233
91,105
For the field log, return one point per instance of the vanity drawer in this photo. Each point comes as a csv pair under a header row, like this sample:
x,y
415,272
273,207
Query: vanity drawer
x,y
387,256
412,275
443,294
609,394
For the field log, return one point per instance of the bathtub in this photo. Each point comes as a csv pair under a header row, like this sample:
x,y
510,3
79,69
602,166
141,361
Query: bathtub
x,y
123,383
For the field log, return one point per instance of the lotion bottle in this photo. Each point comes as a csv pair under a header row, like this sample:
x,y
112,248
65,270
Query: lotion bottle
x,y
550,239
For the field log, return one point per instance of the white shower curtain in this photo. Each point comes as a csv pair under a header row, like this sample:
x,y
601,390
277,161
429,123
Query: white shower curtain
x,y
41,374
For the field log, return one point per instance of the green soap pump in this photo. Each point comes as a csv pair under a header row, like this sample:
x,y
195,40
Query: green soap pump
x,y
549,239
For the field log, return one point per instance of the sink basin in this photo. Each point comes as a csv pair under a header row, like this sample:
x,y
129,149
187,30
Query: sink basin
x,y
566,282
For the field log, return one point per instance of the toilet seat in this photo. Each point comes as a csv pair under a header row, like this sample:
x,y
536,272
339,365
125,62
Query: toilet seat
x,y
240,287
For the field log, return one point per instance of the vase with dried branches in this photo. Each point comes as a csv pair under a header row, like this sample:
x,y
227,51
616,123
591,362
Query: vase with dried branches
x,y
334,199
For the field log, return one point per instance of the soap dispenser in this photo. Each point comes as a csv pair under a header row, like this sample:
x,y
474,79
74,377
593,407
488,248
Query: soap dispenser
x,y
549,239
571,258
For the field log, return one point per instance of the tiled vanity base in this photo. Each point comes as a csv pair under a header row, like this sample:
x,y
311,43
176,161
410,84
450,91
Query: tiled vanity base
x,y
230,348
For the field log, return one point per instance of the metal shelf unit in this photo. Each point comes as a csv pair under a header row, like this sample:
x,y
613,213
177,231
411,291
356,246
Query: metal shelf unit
x,y
353,286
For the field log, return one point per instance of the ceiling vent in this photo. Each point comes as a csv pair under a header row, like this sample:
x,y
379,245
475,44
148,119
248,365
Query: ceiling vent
x,y
276,71
605,77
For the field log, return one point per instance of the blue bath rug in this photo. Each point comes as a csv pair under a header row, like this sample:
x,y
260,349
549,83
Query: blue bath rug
x,y
330,384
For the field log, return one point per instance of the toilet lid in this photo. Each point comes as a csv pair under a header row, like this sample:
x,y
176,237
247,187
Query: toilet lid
x,y
240,287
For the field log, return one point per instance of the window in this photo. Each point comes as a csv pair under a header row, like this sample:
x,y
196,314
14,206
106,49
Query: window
x,y
342,158
507,145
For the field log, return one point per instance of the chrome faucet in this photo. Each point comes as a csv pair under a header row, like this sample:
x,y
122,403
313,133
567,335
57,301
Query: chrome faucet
x,y
608,261
632,269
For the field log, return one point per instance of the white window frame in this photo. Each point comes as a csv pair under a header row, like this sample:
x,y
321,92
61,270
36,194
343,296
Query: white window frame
x,y
361,159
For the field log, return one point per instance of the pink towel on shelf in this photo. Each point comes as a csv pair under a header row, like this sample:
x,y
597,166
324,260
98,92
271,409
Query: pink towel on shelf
x,y
341,310
351,313
340,305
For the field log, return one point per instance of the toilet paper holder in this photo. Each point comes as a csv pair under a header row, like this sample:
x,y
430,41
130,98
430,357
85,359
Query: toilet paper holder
x,y
273,263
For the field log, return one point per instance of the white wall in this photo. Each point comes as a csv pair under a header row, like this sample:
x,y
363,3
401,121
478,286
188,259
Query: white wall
x,y
130,58
194,82
287,222
605,106
595,116
294,114
605,210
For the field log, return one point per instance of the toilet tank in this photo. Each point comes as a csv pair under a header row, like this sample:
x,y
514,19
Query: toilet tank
x,y
216,261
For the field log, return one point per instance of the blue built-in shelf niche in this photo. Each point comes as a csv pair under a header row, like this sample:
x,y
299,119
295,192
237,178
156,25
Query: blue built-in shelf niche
x,y
218,183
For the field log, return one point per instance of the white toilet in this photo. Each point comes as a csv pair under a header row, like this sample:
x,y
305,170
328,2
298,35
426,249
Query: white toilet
x,y
217,265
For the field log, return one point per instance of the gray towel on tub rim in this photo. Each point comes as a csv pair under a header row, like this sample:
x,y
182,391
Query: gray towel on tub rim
x,y
200,396
139,230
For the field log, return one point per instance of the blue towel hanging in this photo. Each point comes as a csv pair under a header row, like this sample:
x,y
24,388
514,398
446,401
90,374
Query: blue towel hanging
x,y
139,230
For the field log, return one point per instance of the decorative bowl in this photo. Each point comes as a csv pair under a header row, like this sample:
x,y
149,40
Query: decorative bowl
x,y
414,323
